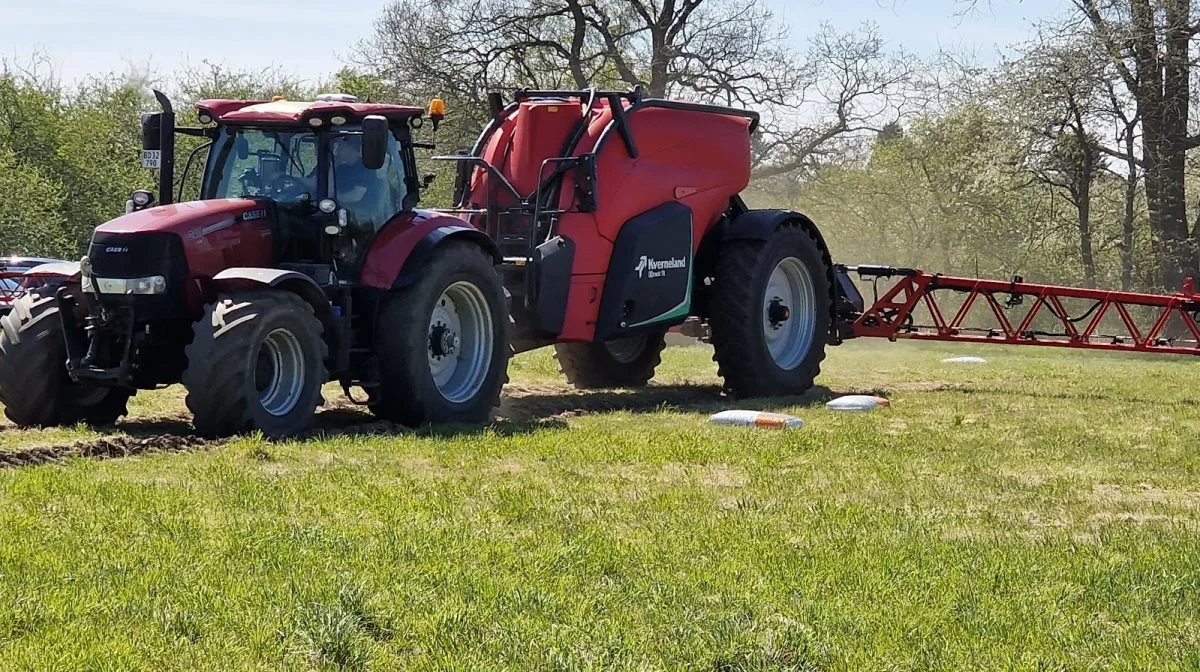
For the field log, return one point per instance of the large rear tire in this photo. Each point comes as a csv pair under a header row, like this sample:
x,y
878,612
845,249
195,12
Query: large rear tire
x,y
624,362
770,313
35,387
442,342
256,361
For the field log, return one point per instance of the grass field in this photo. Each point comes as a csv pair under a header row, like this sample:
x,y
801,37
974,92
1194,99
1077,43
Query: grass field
x,y
1037,512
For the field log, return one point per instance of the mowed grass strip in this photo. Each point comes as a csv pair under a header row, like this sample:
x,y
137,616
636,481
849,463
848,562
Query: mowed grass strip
x,y
1036,512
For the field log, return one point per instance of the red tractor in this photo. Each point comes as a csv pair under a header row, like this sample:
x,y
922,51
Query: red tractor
x,y
594,221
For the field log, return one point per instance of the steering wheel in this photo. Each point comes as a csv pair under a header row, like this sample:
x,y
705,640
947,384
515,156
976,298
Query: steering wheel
x,y
287,188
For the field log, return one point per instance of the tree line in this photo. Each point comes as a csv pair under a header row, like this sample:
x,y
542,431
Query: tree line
x,y
1070,160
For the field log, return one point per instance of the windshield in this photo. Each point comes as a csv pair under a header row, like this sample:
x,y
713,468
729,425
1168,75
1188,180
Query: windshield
x,y
283,165
278,164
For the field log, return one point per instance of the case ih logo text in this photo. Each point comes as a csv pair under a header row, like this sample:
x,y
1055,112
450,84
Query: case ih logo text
x,y
116,250
657,268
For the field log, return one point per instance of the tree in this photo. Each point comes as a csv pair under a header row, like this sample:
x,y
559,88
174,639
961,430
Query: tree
x,y
1149,45
1072,163
730,52
1056,91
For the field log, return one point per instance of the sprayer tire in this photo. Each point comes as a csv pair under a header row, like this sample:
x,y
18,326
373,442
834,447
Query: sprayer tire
x,y
742,332
624,363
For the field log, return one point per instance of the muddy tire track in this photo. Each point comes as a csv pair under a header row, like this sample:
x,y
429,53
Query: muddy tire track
x,y
118,446
104,448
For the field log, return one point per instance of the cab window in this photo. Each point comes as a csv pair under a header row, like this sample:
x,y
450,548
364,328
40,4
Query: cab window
x,y
370,197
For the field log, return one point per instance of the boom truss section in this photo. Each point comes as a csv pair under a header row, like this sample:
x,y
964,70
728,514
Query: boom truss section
x,y
918,306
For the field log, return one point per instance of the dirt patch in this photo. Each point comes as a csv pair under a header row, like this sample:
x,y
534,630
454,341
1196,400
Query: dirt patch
x,y
1144,493
723,476
507,465
920,386
1135,518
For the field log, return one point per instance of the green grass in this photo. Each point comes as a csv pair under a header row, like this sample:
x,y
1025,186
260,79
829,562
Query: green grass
x,y
1038,512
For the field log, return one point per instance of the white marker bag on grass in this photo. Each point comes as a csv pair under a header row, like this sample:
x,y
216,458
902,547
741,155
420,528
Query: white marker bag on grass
x,y
756,419
857,402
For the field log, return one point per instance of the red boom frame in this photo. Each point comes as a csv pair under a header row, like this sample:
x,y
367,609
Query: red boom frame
x,y
891,316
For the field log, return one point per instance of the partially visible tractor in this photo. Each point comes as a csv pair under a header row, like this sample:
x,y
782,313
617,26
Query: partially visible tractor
x,y
13,279
303,261
590,220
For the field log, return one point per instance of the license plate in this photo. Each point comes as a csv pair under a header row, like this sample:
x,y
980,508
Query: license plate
x,y
151,159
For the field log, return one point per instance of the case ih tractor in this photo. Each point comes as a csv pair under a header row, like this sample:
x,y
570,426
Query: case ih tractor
x,y
593,221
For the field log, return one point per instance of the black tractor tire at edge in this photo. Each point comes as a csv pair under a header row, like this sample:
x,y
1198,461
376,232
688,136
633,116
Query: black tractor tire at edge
x,y
35,387
408,393
737,333
222,358
589,366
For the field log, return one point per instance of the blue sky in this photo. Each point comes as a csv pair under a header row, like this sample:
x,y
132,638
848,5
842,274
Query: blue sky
x,y
309,37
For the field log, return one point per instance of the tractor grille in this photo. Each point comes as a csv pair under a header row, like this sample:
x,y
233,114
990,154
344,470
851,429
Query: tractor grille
x,y
138,255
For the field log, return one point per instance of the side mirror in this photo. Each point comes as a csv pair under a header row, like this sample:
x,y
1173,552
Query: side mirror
x,y
374,141
427,179
152,131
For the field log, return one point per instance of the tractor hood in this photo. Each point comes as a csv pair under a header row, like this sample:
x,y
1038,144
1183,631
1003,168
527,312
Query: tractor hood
x,y
189,220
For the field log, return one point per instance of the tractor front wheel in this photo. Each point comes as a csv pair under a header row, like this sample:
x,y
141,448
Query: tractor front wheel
x,y
442,342
770,313
256,361
623,362
35,387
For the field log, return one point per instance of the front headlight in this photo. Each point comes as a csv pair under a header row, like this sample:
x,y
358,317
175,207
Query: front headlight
x,y
154,284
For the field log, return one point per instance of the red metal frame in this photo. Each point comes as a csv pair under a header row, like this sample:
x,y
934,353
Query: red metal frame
x,y
891,316
7,295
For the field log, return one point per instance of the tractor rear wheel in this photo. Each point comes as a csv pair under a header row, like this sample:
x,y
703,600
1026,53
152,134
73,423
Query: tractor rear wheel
x,y
256,361
624,362
35,387
770,313
442,342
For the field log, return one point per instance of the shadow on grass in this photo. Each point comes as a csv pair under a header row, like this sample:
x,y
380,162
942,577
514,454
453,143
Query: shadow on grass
x,y
1080,395
350,421
652,399
519,414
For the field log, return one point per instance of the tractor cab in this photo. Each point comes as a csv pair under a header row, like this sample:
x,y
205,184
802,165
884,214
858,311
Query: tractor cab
x,y
316,180
330,172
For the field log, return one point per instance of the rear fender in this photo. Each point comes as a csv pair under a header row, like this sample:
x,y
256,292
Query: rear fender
x,y
397,256
760,224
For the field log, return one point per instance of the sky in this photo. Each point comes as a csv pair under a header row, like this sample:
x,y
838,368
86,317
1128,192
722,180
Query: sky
x,y
312,38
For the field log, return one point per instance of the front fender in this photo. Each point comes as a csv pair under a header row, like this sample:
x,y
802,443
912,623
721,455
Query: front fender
x,y
56,270
396,255
269,277
241,278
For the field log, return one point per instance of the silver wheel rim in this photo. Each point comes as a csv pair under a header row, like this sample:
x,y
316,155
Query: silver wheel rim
x,y
279,372
789,313
460,341
626,350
